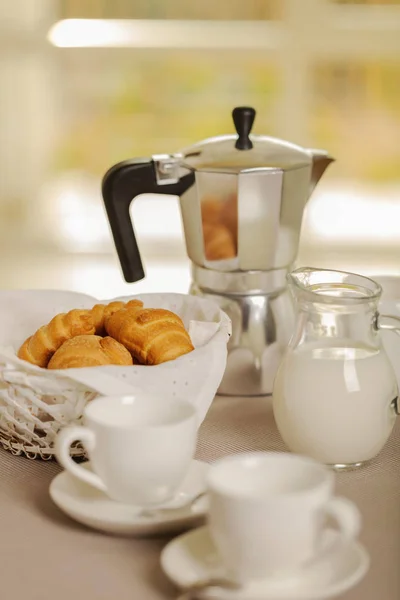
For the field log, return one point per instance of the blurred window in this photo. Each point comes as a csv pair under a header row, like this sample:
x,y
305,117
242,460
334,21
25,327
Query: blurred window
x,y
86,83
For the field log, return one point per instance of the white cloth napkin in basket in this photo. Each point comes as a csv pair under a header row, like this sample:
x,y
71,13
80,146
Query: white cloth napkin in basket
x,y
35,402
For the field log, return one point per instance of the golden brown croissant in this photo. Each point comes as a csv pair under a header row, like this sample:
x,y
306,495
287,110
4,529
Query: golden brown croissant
x,y
90,351
134,304
101,312
152,335
218,242
40,347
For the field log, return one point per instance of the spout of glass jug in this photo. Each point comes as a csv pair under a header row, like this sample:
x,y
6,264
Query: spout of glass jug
x,y
320,161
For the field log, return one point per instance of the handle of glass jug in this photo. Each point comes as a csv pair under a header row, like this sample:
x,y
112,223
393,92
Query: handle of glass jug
x,y
121,184
390,323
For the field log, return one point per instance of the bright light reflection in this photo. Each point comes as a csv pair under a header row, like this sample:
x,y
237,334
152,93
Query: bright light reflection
x,y
355,215
166,33
89,33
339,216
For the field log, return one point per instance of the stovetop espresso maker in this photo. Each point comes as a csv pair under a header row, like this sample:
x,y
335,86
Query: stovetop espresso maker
x,y
242,199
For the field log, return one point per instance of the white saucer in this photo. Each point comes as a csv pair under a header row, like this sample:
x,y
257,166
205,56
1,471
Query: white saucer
x,y
93,508
192,558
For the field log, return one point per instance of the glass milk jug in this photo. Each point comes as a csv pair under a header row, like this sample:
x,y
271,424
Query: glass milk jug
x,y
335,392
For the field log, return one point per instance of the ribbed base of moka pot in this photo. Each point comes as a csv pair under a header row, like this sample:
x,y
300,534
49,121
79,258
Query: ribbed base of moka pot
x,y
262,318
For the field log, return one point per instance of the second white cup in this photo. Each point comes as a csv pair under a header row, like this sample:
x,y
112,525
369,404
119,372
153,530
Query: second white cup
x,y
140,447
268,510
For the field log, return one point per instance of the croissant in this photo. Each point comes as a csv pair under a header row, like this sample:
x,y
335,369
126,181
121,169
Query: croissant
x,y
40,347
152,335
218,242
89,351
101,312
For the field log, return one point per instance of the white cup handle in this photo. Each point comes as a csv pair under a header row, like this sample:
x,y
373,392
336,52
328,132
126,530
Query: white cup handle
x,y
346,515
348,520
62,449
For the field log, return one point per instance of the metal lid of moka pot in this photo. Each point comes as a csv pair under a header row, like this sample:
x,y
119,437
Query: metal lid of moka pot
x,y
244,151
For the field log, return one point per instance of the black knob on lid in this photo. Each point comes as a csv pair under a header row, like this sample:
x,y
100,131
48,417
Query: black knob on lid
x,y
243,118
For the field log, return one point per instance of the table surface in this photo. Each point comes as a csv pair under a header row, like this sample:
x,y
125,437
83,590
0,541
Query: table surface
x,y
45,555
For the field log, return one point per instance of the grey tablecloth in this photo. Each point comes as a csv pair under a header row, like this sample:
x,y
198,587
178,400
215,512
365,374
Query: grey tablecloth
x,y
46,556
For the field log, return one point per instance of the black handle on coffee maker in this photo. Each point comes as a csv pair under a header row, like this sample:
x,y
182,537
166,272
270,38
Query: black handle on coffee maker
x,y
121,184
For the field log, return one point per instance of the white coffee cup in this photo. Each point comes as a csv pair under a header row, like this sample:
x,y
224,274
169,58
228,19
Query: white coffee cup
x,y
140,447
267,513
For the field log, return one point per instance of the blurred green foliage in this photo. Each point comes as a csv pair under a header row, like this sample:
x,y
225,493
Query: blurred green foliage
x,y
174,101
171,102
356,115
165,100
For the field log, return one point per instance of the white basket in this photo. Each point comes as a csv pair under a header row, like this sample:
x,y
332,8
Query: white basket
x,y
35,403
